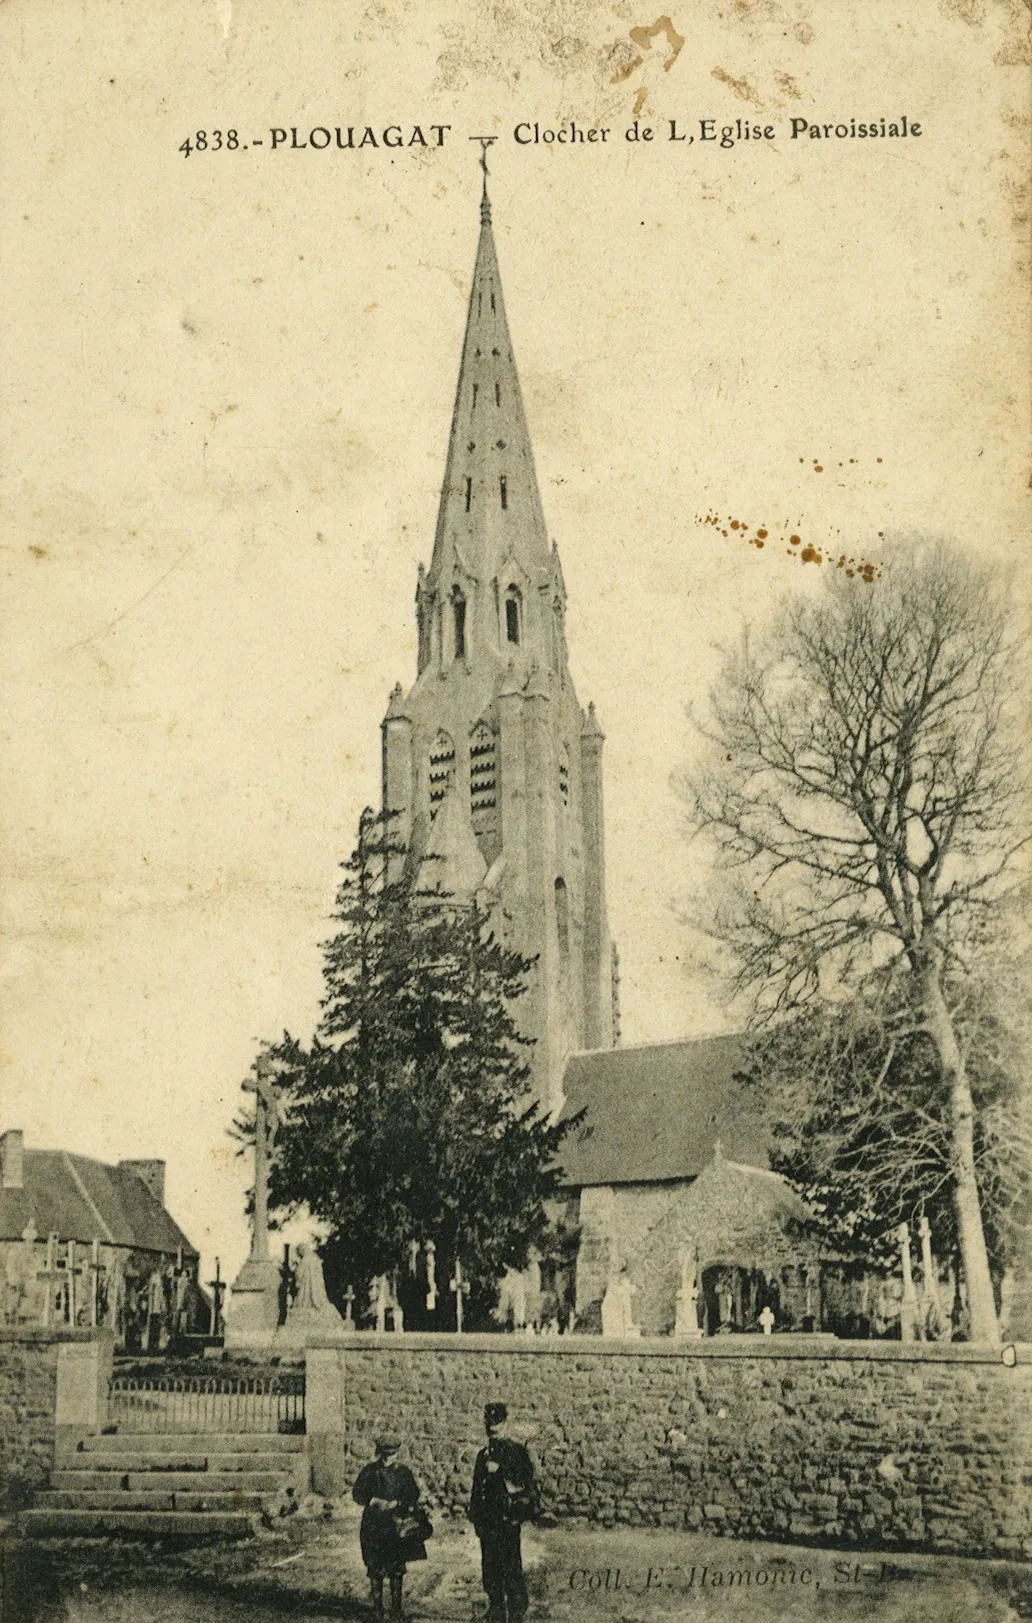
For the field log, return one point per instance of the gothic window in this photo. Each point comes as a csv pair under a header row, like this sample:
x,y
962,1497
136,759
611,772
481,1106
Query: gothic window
x,y
503,487
513,605
476,391
562,924
498,394
469,492
492,301
483,779
458,603
442,769
425,621
564,777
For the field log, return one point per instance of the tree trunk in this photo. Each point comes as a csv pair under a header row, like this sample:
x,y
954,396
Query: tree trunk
x,y
968,1213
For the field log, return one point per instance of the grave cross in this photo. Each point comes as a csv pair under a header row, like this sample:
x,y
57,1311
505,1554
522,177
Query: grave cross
x,y
431,1276
50,1275
908,1325
73,1271
95,1268
460,1287
349,1309
217,1287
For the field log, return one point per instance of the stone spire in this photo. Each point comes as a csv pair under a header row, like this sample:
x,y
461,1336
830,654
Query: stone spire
x,y
490,506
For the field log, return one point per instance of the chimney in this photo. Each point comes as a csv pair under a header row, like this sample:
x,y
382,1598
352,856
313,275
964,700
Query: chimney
x,y
12,1159
151,1173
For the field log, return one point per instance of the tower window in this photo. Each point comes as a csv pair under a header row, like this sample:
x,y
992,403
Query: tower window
x,y
483,779
503,489
492,301
442,768
480,304
458,603
498,394
562,923
476,391
469,492
564,777
512,614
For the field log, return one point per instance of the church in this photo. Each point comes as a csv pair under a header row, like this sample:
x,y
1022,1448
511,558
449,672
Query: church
x,y
493,771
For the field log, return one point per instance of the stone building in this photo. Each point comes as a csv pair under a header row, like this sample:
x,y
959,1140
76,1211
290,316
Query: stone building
x,y
83,1243
490,765
668,1176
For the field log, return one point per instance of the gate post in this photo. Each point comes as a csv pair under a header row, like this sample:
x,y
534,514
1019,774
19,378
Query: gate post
x,y
83,1372
325,1419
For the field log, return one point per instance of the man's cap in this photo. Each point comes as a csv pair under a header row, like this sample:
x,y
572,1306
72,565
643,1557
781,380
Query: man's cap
x,y
495,1413
387,1444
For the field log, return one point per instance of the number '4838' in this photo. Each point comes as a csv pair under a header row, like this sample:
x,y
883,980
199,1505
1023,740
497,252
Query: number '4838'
x,y
210,141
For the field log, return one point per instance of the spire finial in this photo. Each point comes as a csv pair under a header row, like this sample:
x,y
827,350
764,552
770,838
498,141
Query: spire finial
x,y
485,201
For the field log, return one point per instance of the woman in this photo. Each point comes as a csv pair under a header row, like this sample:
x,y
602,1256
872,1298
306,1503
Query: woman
x,y
394,1526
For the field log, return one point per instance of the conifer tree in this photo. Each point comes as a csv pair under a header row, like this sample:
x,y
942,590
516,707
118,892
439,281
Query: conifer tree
x,y
409,1118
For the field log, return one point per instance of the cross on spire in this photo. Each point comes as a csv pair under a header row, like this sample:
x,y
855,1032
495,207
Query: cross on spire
x,y
485,202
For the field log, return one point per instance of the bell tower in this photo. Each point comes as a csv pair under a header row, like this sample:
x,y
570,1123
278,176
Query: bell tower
x,y
489,763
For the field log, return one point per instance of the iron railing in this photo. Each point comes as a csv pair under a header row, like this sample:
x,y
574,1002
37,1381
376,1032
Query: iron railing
x,y
266,1401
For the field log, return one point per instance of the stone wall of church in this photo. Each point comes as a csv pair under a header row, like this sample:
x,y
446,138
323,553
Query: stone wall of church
x,y
802,1439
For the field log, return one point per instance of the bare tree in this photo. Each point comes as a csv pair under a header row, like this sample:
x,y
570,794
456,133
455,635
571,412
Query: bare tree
x,y
863,792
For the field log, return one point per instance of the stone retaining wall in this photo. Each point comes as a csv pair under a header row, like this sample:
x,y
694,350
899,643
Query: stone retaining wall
x,y
48,1379
795,1438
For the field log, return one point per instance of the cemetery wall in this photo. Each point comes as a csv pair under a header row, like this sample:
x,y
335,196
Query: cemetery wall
x,y
804,1439
28,1405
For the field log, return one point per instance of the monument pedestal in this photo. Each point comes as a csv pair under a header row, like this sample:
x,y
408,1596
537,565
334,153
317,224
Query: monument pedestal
x,y
254,1302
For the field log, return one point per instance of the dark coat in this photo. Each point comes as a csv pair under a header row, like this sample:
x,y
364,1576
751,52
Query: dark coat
x,y
504,1492
384,1550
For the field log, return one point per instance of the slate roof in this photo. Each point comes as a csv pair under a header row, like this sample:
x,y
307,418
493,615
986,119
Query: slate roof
x,y
656,1112
80,1199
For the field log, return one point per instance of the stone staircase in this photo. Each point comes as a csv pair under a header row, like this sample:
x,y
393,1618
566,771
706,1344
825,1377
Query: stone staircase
x,y
191,1485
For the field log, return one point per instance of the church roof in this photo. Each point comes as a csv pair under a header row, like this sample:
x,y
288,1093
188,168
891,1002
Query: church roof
x,y
80,1199
490,510
657,1112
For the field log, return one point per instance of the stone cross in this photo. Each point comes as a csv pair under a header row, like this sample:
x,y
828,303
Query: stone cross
x,y
908,1326
349,1309
431,1276
72,1271
266,1122
380,1298
95,1269
460,1287
931,1306
50,1275
217,1287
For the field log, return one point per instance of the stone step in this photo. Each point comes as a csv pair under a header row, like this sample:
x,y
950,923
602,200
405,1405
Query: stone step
x,y
130,1459
126,1499
169,1481
192,1442
195,1524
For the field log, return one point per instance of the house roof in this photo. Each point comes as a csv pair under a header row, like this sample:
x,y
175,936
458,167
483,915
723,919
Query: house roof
x,y
80,1199
655,1113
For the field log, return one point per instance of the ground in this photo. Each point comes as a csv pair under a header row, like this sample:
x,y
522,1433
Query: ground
x,y
308,1567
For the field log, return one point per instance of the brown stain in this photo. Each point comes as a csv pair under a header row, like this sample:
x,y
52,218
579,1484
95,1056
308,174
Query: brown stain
x,y
741,87
811,552
787,85
662,28
38,552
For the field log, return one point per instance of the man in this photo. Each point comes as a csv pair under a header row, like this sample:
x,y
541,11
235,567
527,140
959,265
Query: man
x,y
503,1497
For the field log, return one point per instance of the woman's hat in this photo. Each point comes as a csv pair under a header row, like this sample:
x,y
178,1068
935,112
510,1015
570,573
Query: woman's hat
x,y
387,1444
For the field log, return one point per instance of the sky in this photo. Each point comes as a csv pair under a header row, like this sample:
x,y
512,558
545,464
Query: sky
x,y
227,389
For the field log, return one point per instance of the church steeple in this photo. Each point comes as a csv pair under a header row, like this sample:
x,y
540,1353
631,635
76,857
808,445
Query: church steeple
x,y
490,507
490,766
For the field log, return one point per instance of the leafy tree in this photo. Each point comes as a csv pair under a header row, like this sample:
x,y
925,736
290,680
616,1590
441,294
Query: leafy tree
x,y
410,1116
863,793
854,1108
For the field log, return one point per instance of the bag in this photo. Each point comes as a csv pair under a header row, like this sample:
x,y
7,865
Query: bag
x,y
413,1526
520,1501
